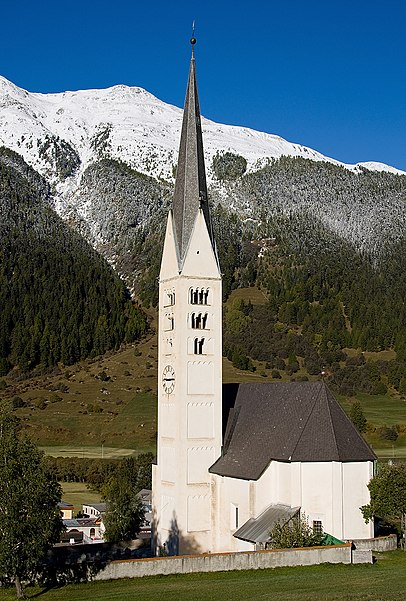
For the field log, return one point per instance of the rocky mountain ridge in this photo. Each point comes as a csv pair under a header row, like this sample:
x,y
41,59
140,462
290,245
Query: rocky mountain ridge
x,y
109,157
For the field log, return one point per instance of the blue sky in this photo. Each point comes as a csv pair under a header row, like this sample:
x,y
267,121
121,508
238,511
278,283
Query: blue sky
x,y
327,74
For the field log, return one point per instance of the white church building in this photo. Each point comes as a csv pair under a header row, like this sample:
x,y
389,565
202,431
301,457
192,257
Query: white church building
x,y
234,459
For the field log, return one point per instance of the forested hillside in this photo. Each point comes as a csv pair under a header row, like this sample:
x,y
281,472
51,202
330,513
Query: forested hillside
x,y
330,252
326,244
59,299
328,247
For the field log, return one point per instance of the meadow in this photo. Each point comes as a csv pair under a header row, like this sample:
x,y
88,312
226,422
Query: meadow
x,y
106,407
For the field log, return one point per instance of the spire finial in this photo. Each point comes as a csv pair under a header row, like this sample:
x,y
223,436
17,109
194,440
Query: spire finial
x,y
193,39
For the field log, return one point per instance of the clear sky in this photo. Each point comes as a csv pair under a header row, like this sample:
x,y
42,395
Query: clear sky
x,y
329,74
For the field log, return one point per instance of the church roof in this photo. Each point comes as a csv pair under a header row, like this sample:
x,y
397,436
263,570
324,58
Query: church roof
x,y
285,421
190,187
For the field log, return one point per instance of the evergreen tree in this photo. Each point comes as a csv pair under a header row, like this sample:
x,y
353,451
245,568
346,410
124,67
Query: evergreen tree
x,y
358,418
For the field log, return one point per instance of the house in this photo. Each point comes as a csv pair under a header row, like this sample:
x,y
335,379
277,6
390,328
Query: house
x,y
66,510
233,460
95,510
83,530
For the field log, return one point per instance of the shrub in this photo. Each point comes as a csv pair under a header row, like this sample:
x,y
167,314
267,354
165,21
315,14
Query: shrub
x,y
295,533
17,402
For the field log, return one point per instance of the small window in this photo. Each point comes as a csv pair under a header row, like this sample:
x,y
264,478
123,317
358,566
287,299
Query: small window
x,y
92,532
198,346
317,527
234,516
169,322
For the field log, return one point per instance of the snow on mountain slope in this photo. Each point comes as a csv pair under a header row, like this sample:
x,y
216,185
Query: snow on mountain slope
x,y
124,123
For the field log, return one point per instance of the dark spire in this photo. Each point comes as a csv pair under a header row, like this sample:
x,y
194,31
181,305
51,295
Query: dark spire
x,y
190,186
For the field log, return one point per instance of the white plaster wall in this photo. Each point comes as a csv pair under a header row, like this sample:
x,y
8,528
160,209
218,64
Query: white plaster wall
x,y
189,418
232,493
356,494
331,492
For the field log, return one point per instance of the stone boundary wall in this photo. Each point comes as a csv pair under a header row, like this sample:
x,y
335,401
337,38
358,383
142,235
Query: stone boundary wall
x,y
223,562
380,543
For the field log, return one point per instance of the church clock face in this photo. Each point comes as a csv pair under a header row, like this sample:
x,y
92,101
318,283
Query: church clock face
x,y
168,379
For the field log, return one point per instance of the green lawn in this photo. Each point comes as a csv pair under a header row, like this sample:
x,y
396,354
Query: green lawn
x,y
383,581
78,494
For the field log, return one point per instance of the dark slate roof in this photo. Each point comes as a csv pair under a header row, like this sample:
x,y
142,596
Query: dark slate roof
x,y
256,530
190,186
285,421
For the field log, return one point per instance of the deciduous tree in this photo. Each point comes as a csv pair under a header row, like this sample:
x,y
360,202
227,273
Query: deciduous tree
x,y
388,494
125,511
30,520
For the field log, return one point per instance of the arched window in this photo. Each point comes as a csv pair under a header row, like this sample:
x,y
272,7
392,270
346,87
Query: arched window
x,y
199,296
169,298
92,532
198,321
169,322
198,346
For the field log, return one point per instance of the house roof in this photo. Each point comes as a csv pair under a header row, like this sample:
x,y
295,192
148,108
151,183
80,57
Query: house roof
x,y
81,522
101,507
285,421
145,495
64,505
256,530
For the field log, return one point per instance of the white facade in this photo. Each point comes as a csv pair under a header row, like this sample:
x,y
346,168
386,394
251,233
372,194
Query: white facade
x,y
189,393
327,492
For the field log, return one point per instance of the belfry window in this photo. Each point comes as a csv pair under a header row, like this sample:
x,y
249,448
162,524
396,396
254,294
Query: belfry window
x,y
199,296
169,298
198,321
198,346
169,322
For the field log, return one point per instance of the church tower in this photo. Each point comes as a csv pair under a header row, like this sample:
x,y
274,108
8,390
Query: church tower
x,y
189,354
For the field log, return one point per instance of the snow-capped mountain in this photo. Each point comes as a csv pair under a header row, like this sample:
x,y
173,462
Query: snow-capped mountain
x,y
83,143
124,123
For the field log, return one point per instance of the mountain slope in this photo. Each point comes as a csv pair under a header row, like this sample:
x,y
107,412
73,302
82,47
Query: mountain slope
x,y
60,301
127,124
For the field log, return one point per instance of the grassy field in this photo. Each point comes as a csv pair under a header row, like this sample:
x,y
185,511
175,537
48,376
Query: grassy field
x,y
77,493
82,410
101,452
383,581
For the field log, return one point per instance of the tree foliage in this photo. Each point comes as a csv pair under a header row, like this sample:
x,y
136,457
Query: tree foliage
x,y
125,511
295,533
29,517
229,166
388,493
358,418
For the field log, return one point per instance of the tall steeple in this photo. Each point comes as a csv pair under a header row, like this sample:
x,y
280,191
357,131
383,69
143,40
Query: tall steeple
x,y
190,188
189,354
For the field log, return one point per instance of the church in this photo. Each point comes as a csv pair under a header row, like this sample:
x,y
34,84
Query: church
x,y
233,460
